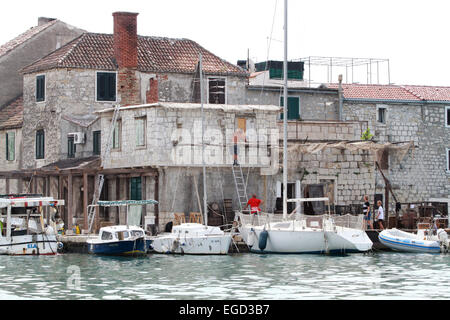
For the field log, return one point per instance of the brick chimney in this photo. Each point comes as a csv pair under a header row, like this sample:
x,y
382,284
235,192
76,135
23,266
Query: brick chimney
x,y
125,53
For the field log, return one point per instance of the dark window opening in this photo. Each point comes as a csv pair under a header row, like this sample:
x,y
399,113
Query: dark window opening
x,y
71,147
40,144
382,115
448,117
97,142
384,163
106,86
217,90
40,88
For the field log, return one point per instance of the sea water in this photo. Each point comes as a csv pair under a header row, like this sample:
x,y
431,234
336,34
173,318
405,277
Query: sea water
x,y
385,275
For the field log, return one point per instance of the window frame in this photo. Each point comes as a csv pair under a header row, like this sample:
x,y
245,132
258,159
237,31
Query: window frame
x,y
7,145
71,155
448,160
38,99
209,78
144,133
383,107
38,150
447,117
119,136
96,86
99,142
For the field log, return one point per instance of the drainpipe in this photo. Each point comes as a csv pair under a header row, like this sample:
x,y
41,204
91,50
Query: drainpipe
x,y
340,98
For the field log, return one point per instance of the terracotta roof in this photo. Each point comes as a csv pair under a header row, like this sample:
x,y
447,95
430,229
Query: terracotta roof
x,y
375,92
155,54
30,33
11,115
430,93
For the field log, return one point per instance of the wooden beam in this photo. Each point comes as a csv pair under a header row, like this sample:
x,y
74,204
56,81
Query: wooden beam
x,y
85,200
157,199
69,202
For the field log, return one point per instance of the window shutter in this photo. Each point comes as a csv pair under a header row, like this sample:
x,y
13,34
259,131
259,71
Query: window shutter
x,y
140,132
10,146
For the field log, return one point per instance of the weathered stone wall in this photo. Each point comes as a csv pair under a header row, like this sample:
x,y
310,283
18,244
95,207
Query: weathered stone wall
x,y
315,104
422,173
173,137
40,45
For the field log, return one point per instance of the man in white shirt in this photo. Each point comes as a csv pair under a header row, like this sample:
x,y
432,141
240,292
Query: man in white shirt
x,y
380,215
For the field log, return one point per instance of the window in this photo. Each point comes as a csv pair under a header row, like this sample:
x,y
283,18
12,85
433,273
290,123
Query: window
x,y
107,235
140,131
71,147
116,135
10,146
40,144
448,160
40,88
447,117
216,90
293,108
97,142
136,188
381,117
106,86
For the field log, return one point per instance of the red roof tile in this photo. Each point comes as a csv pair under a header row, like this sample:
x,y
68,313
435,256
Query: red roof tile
x,y
430,93
11,115
375,92
155,54
30,33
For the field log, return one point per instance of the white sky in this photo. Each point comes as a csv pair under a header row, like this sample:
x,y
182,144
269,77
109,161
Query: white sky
x,y
413,34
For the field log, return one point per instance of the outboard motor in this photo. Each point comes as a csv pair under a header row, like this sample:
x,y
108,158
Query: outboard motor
x,y
263,239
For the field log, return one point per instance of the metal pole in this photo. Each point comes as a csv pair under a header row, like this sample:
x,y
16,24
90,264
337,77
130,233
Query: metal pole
x,y
389,73
205,209
285,166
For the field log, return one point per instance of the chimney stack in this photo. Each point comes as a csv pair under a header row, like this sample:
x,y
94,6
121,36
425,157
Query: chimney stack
x,y
126,55
125,39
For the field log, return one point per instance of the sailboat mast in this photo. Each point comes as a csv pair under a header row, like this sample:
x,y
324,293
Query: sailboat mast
x,y
285,111
205,209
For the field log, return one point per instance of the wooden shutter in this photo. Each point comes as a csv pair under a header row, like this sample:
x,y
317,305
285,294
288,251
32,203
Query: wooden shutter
x,y
140,132
10,146
96,142
293,108
40,144
40,88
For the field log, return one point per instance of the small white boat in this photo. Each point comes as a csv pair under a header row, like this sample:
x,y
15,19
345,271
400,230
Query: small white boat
x,y
23,231
192,238
119,240
423,241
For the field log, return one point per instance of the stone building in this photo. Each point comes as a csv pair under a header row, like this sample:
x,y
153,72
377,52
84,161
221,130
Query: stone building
x,y
33,44
63,91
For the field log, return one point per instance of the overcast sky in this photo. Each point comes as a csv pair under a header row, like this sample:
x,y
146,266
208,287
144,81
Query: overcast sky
x,y
413,35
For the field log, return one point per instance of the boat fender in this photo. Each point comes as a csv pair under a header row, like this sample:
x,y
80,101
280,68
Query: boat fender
x,y
263,239
60,246
251,239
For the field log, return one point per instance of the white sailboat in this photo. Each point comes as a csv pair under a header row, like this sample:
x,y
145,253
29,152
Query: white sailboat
x,y
301,233
195,238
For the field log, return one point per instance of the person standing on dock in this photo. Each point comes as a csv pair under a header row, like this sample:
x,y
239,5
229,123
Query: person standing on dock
x,y
254,204
367,212
380,215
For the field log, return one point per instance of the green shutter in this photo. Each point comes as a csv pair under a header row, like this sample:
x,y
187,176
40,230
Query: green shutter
x,y
293,108
40,88
96,142
136,188
10,146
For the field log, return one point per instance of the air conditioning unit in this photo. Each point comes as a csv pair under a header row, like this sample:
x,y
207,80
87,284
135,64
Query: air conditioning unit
x,y
78,137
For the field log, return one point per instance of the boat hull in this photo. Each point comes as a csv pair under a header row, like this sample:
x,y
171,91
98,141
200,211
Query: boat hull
x,y
40,244
119,248
314,241
404,244
201,245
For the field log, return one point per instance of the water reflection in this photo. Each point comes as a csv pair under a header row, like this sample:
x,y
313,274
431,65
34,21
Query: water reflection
x,y
240,276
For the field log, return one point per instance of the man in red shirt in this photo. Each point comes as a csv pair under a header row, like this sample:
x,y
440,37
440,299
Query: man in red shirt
x,y
254,203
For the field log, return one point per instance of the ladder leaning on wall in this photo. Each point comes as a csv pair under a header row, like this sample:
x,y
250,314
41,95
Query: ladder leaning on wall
x,y
100,179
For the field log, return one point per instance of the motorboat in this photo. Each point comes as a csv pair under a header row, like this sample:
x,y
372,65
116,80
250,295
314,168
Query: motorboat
x,y
119,240
298,233
426,240
192,238
23,227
